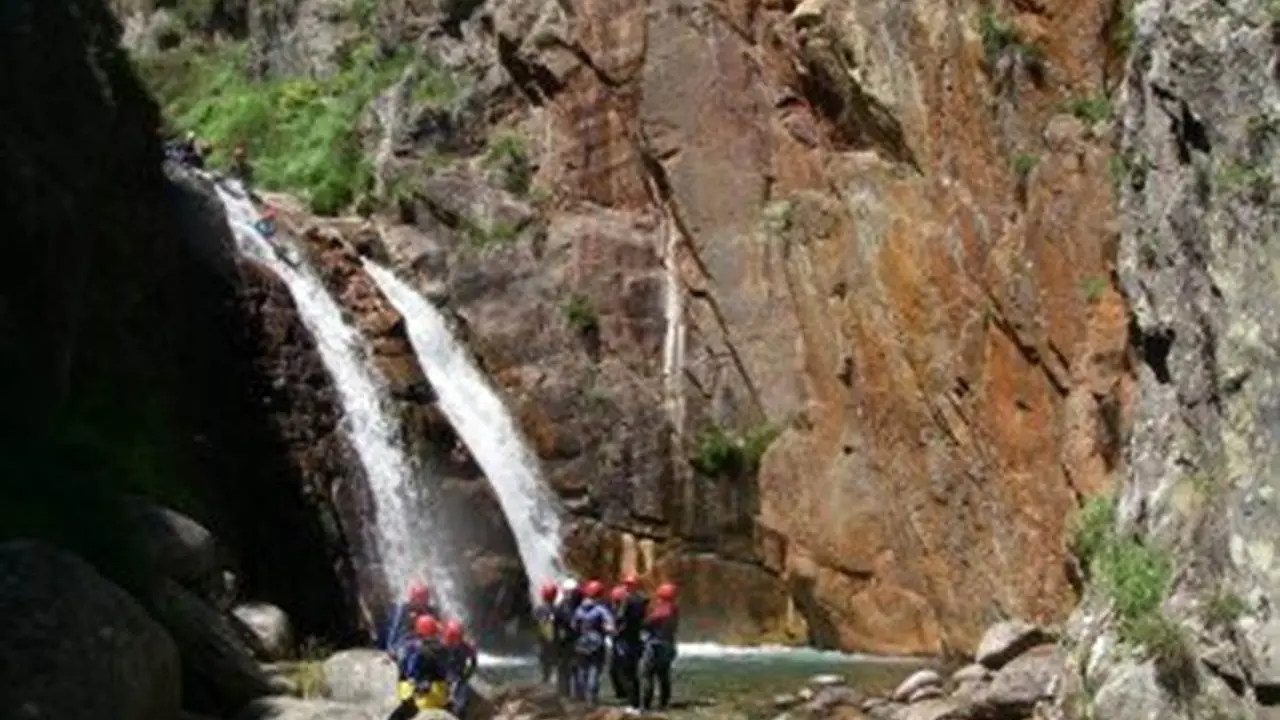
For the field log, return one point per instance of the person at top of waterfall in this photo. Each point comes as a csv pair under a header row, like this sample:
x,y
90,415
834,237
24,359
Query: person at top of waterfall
x,y
423,675
544,615
460,661
593,624
565,636
417,604
266,225
240,168
659,631
617,662
627,643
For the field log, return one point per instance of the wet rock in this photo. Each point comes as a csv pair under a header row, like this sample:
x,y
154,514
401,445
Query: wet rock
x,y
970,673
362,677
785,701
925,693
219,673
73,645
918,680
285,708
826,680
1006,640
270,627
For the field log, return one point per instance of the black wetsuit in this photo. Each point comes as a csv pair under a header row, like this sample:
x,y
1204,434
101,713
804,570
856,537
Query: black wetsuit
x,y
660,629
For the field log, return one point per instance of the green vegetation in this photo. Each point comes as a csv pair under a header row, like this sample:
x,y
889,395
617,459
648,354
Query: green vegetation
x,y
497,232
1093,287
1023,164
301,133
1238,177
718,453
1092,110
1136,578
1222,609
1124,29
1000,37
508,155
777,217
580,315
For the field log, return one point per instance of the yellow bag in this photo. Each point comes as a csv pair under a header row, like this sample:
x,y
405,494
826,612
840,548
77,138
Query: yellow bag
x,y
548,629
437,698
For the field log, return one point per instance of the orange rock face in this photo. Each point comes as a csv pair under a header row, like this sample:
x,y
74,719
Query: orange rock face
x,y
897,244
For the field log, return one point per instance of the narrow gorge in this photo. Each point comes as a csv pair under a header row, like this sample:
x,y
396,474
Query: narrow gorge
x,y
927,331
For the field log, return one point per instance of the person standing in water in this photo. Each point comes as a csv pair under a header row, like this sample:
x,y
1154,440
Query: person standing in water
x,y
545,617
593,623
406,614
628,642
566,637
617,661
422,671
661,626
460,661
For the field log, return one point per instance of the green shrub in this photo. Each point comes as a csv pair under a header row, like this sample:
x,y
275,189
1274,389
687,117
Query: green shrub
x,y
1092,527
999,36
507,153
1092,110
1093,288
718,453
301,133
580,315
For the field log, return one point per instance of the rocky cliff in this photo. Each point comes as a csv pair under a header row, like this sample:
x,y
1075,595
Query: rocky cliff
x,y
810,305
139,356
1182,563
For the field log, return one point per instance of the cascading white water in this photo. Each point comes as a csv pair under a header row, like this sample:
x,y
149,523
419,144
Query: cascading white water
x,y
372,430
485,426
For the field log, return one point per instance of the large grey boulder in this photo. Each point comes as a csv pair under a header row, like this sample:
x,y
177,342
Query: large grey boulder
x,y
270,627
220,674
363,677
1006,640
74,645
287,708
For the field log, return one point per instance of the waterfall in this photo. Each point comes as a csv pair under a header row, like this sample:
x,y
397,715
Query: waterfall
x,y
373,430
486,427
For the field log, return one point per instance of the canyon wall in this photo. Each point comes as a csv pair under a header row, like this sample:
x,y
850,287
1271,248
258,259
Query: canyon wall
x,y
812,307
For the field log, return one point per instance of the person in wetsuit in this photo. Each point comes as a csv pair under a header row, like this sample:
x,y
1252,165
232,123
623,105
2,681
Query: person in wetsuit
x,y
565,637
617,663
544,615
661,626
422,671
406,614
628,643
460,660
593,623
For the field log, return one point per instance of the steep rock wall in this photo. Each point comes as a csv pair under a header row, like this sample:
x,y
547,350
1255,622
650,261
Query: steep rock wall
x,y
1198,263
138,356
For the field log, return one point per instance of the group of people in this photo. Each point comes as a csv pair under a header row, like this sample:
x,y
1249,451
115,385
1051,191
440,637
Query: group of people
x,y
434,658
583,631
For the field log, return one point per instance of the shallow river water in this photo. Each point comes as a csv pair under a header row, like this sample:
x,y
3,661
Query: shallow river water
x,y
721,681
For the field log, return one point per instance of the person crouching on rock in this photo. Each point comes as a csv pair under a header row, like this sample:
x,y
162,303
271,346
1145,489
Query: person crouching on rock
x,y
661,625
423,676
566,638
617,658
628,644
460,660
406,614
545,617
593,623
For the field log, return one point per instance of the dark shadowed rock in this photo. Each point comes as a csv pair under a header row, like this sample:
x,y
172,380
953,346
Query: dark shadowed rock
x,y
270,627
1006,640
73,645
176,546
219,673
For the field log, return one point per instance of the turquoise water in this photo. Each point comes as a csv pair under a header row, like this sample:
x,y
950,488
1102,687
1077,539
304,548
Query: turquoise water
x,y
739,681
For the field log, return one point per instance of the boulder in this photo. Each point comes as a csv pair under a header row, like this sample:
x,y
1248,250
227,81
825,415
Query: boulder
x,y
287,708
918,681
219,674
270,627
176,546
363,677
1017,687
74,645
1006,640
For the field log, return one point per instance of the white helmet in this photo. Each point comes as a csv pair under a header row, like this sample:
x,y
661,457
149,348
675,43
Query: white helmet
x,y
568,585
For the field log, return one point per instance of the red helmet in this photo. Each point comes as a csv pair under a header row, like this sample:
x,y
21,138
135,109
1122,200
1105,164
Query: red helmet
x,y
453,633
618,594
630,581
549,592
427,627
667,591
419,594
269,213
593,589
